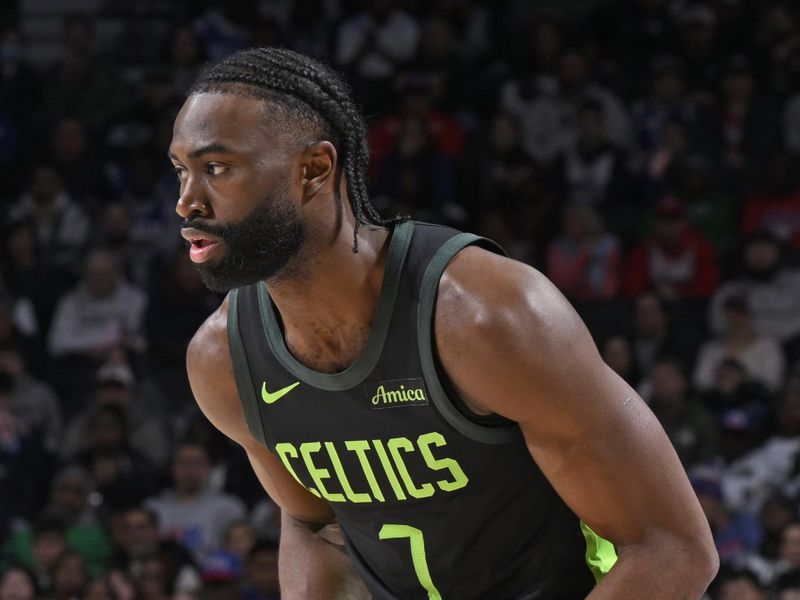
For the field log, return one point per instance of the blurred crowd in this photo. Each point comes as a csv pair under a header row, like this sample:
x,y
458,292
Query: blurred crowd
x,y
642,153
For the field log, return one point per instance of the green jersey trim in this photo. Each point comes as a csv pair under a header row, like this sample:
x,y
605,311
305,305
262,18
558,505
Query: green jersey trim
x,y
601,554
241,371
366,361
427,301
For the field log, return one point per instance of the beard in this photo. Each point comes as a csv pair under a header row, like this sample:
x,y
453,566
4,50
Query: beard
x,y
256,248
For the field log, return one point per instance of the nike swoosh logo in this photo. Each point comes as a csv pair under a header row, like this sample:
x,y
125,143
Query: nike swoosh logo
x,y
269,398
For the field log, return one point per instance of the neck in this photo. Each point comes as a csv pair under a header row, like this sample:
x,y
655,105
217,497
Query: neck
x,y
328,300
186,495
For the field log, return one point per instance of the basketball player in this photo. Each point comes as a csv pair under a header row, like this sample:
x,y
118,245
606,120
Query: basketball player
x,y
442,404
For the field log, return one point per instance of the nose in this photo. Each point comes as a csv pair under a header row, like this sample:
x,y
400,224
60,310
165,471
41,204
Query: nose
x,y
191,202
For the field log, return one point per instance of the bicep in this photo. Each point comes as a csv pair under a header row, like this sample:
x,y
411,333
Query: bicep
x,y
524,353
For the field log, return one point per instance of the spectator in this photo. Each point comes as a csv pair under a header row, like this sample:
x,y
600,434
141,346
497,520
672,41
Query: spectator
x,y
418,178
16,583
116,386
772,466
261,582
240,538
501,167
777,512
183,304
676,260
548,109
772,290
778,40
788,586
70,577
69,503
77,163
104,314
697,37
709,207
774,206
310,27
690,427
731,389
81,79
121,477
30,276
61,226
153,580
747,126
617,352
735,534
185,55
49,543
653,333
224,568
665,103
32,400
190,512
439,56
789,549
661,167
740,585
372,43
592,170
760,355
140,542
23,470
584,262
154,225
416,93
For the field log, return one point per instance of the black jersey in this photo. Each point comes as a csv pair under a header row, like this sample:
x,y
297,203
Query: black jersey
x,y
434,502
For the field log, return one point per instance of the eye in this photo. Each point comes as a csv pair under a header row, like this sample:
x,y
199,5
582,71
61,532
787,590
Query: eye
x,y
180,173
214,170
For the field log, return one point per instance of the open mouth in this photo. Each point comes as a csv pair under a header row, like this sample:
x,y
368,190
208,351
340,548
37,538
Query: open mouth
x,y
200,244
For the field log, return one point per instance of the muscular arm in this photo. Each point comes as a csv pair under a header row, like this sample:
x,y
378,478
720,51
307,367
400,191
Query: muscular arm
x,y
312,562
513,346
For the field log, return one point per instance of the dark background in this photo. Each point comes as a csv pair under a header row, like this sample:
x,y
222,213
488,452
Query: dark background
x,y
642,153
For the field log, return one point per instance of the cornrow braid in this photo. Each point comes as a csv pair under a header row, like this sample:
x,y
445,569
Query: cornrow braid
x,y
311,91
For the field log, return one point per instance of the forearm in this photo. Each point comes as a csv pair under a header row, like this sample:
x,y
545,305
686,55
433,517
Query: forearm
x,y
657,574
313,566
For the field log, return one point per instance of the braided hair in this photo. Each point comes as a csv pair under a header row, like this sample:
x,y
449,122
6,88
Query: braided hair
x,y
312,93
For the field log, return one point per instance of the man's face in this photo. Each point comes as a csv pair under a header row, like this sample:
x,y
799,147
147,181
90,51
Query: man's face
x,y
790,545
669,384
190,469
237,181
263,572
47,548
141,534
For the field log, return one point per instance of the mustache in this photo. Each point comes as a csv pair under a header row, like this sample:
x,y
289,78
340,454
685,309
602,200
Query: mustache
x,y
204,227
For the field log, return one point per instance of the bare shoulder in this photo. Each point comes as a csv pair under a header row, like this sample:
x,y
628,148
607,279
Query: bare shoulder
x,y
499,318
210,371
485,295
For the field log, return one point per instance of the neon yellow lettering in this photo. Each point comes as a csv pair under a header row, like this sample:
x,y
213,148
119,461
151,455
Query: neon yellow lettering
x,y
395,445
460,479
286,450
318,474
360,447
387,466
337,467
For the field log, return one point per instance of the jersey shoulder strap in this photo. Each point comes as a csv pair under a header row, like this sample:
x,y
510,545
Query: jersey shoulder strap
x,y
241,371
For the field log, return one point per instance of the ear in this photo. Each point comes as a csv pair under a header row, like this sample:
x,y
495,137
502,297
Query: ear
x,y
319,167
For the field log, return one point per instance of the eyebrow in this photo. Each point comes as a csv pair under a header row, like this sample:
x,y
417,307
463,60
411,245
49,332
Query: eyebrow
x,y
212,148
